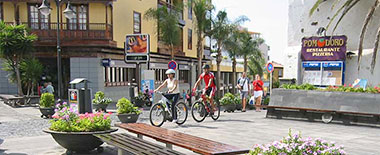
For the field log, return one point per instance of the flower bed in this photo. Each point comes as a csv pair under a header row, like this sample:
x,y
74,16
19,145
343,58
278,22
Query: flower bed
x,y
295,144
343,88
66,119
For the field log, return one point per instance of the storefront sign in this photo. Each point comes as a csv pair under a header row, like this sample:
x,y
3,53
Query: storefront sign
x,y
137,48
324,48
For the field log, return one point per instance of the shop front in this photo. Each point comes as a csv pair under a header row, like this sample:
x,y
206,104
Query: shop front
x,y
323,60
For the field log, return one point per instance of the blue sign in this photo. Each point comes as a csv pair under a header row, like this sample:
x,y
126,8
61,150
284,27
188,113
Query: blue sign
x,y
147,86
332,64
106,62
270,67
172,65
311,65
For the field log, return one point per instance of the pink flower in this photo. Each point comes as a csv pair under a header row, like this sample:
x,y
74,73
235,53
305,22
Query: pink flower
x,y
55,116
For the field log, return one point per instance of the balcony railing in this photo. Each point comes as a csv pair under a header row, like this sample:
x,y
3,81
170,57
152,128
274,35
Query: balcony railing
x,y
73,34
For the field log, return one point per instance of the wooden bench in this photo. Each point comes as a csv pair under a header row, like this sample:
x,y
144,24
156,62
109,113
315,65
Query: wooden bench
x,y
193,143
12,100
127,143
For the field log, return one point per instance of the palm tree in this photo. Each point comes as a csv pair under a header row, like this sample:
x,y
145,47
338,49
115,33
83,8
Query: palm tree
x,y
233,47
221,29
16,43
250,48
31,71
343,10
167,22
203,23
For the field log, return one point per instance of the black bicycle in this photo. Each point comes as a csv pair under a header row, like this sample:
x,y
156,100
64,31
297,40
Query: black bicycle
x,y
160,112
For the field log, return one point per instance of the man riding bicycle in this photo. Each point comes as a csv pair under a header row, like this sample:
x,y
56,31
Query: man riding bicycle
x,y
210,87
173,90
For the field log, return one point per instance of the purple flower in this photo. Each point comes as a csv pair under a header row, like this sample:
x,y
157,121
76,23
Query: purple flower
x,y
55,110
64,103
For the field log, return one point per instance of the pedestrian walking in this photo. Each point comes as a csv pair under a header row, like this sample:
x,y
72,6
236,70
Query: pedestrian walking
x,y
258,91
184,95
243,86
48,88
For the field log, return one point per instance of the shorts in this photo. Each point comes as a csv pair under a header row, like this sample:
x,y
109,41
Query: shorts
x,y
210,91
257,94
243,94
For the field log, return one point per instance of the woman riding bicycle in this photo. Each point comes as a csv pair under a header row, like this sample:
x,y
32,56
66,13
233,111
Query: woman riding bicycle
x,y
173,93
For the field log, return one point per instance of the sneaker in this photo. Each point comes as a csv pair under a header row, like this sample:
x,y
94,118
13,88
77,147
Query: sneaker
x,y
175,121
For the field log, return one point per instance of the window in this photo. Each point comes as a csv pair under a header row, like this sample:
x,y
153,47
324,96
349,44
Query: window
x,y
190,39
118,76
190,9
80,21
136,22
36,19
184,76
280,73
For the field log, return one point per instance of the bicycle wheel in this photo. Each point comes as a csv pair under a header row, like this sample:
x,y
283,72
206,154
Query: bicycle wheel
x,y
181,113
216,114
157,115
198,111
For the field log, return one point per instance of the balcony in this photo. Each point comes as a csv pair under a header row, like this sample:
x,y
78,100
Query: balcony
x,y
92,34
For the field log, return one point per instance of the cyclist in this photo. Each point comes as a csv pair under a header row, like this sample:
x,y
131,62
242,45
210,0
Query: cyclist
x,y
173,90
210,87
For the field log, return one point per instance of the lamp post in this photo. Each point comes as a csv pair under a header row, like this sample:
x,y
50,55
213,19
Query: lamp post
x,y
69,13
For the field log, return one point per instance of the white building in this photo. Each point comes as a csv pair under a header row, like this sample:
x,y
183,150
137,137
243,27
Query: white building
x,y
300,25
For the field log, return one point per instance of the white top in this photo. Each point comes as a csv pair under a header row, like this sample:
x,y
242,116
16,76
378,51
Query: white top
x,y
244,82
171,84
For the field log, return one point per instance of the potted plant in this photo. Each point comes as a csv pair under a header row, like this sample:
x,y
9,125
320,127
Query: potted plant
x,y
228,102
75,132
126,111
100,102
47,105
238,102
141,99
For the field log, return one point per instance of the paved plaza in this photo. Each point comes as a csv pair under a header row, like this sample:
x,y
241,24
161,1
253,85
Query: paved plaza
x,y
20,129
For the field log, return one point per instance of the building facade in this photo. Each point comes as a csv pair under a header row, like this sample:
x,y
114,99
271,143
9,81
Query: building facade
x,y
302,25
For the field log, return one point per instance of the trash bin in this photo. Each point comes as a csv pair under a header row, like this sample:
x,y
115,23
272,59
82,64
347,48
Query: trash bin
x,y
80,96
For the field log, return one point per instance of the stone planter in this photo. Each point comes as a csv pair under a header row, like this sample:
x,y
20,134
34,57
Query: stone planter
x,y
78,141
128,118
239,106
324,100
229,107
47,112
100,107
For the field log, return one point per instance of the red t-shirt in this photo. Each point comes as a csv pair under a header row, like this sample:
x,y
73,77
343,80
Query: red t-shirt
x,y
207,77
258,85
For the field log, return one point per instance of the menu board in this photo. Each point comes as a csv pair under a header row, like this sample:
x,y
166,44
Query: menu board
x,y
312,77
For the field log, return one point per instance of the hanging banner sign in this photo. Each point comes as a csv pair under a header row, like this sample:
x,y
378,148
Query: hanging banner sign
x,y
324,48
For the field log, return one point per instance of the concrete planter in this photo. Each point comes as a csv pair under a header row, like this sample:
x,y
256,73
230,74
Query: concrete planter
x,y
47,112
128,118
349,102
229,107
78,141
100,107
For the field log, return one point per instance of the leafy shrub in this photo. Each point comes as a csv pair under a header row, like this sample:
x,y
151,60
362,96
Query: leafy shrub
x,y
295,144
237,99
124,106
266,101
66,119
47,100
227,99
101,99
276,84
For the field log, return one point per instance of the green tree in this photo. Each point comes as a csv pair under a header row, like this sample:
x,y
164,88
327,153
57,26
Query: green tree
x,y
221,29
15,44
233,47
201,9
167,20
31,71
250,48
342,11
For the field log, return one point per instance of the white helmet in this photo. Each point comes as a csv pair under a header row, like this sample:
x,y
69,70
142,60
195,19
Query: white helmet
x,y
170,71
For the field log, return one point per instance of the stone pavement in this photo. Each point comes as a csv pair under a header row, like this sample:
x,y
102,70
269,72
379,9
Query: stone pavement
x,y
21,130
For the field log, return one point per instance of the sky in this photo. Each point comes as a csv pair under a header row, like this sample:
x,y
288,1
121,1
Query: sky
x,y
269,17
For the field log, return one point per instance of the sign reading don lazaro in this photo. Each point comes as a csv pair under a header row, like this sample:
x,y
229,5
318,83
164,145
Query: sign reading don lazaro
x,y
324,48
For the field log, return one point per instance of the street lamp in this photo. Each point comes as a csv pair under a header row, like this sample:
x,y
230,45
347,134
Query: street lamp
x,y
69,13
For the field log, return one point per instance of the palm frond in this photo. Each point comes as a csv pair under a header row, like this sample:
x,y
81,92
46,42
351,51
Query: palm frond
x,y
315,6
374,54
364,29
345,11
347,3
334,4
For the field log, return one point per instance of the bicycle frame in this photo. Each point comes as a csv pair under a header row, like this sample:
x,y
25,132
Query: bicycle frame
x,y
204,98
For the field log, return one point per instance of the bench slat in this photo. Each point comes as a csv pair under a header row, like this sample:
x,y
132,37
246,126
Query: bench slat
x,y
135,145
193,143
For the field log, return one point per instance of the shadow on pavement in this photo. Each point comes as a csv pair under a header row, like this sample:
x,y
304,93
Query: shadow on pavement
x,y
196,125
2,152
235,120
